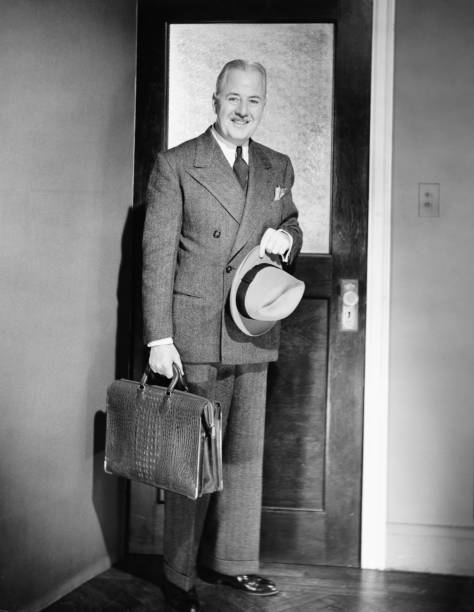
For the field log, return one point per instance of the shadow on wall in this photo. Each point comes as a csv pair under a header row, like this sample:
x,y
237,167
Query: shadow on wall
x,y
111,498
128,293
110,494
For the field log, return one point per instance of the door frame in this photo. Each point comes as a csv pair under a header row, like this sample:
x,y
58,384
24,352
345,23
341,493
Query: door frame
x,y
376,399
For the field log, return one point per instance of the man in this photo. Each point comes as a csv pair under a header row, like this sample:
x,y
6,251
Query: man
x,y
210,201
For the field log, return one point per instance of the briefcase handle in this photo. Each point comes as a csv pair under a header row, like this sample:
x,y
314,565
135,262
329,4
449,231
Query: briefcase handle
x,y
177,376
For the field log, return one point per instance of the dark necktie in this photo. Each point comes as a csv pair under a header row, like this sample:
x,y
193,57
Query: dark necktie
x,y
241,169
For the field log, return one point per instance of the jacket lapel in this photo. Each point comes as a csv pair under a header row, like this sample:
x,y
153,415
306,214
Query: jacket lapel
x,y
212,170
260,177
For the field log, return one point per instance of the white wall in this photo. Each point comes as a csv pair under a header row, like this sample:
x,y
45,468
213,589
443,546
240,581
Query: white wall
x,y
431,421
67,71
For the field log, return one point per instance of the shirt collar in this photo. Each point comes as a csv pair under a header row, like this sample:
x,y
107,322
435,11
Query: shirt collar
x,y
229,149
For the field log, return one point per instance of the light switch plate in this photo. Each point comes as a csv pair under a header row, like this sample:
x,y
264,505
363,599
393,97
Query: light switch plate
x,y
428,199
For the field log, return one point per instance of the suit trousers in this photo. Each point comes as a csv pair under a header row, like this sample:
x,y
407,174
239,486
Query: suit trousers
x,y
221,531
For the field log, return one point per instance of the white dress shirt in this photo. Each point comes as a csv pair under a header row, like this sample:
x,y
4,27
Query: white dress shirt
x,y
229,149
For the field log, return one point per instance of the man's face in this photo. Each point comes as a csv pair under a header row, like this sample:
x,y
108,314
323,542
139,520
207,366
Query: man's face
x,y
239,105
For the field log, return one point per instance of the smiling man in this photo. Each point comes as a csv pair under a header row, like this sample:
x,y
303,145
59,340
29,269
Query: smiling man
x,y
210,201
238,102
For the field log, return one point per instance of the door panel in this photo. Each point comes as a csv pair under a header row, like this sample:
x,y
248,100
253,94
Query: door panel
x,y
313,444
296,415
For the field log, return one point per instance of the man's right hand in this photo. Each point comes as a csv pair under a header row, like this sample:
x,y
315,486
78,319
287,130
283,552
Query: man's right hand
x,y
162,358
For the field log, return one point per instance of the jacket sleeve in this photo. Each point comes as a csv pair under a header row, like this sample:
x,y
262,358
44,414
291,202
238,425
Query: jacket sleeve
x,y
160,245
289,217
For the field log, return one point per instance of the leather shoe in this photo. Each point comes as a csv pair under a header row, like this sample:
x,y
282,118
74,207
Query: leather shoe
x,y
180,600
249,583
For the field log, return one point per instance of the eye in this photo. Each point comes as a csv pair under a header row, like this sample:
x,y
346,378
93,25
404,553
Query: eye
x,y
255,101
232,98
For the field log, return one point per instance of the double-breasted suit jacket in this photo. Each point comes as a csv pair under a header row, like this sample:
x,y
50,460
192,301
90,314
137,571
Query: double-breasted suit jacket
x,y
199,226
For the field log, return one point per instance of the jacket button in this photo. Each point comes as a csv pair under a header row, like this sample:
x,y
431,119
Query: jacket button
x,y
228,269
216,234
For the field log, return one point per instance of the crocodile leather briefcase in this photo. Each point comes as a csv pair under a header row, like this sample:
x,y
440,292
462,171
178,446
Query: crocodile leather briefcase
x,y
164,437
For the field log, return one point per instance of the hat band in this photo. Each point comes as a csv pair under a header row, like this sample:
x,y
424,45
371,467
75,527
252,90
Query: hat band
x,y
244,284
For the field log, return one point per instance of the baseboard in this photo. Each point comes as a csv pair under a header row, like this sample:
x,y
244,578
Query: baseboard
x,y
439,549
86,574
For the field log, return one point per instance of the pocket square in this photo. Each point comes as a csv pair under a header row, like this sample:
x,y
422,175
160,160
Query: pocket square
x,y
279,192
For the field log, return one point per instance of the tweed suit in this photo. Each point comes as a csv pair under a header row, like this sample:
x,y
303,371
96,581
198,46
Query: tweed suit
x,y
199,227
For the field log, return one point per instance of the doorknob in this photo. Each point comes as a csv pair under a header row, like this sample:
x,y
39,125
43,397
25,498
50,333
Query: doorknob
x,y
348,305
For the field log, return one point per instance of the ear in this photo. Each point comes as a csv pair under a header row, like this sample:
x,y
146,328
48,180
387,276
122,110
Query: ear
x,y
214,102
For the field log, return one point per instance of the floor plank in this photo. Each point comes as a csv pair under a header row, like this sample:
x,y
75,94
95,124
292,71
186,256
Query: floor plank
x,y
134,585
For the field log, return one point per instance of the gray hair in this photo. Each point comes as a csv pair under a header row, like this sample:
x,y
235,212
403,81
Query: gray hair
x,y
240,64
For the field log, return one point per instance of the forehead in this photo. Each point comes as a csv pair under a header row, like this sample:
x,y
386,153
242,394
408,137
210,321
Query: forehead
x,y
248,82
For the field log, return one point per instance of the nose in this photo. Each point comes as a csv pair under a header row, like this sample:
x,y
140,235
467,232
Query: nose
x,y
242,109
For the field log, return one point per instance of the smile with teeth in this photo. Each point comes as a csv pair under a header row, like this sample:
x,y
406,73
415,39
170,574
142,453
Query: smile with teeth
x,y
240,121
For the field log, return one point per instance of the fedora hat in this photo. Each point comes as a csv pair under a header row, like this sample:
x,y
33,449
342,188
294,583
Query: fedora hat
x,y
262,294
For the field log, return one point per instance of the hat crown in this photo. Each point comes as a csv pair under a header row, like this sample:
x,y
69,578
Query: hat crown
x,y
262,294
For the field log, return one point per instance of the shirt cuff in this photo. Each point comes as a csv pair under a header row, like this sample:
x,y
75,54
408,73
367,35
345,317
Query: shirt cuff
x,y
286,255
160,342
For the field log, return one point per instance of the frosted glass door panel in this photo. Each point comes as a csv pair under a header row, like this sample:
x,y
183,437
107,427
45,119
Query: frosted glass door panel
x,y
297,120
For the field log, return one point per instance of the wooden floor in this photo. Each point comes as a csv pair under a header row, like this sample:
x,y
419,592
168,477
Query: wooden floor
x,y
134,585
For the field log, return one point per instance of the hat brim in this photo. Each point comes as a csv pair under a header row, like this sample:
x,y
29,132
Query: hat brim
x,y
250,327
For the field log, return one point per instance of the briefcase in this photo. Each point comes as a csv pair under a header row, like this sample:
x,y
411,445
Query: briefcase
x,y
164,437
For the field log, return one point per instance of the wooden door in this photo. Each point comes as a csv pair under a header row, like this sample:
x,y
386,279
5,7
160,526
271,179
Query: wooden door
x,y
313,445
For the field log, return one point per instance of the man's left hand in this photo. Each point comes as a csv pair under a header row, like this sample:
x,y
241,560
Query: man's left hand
x,y
274,242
